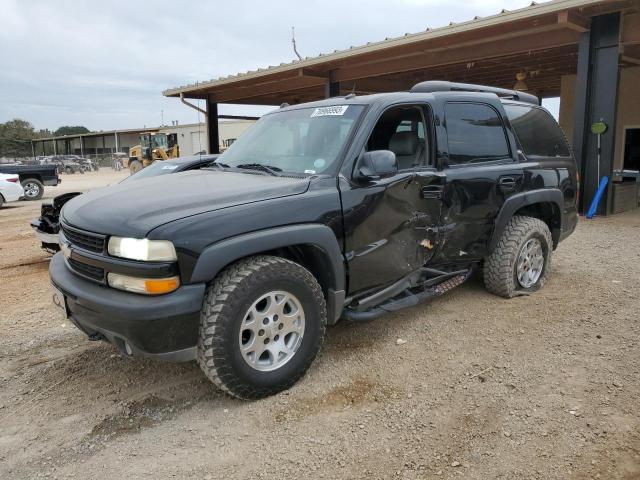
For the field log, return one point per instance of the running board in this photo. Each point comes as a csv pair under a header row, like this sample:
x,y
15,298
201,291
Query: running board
x,y
409,297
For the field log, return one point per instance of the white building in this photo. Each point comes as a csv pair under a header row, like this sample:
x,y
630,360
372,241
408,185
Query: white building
x,y
192,138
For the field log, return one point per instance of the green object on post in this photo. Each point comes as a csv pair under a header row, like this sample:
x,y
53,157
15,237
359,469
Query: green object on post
x,y
598,128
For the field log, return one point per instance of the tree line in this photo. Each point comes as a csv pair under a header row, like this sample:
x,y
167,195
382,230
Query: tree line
x,y
16,136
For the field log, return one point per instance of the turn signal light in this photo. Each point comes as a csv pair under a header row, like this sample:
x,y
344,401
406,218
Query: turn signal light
x,y
165,285
148,286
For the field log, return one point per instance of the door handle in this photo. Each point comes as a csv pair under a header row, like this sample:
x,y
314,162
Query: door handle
x,y
432,191
508,183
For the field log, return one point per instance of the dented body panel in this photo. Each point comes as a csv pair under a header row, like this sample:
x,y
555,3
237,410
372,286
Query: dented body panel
x,y
391,229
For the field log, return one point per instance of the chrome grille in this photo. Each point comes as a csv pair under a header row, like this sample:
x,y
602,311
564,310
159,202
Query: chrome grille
x,y
89,241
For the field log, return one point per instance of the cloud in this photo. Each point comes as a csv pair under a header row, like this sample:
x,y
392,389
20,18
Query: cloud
x,y
105,64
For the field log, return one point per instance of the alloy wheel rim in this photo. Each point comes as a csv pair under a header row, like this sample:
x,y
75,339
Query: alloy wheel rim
x,y
530,263
271,331
31,190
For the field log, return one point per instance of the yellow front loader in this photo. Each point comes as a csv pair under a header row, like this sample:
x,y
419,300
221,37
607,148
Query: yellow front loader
x,y
152,147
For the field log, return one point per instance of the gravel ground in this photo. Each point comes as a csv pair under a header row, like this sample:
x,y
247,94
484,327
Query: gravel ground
x,y
470,385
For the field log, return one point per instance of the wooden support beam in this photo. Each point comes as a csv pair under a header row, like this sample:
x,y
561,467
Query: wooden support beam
x,y
331,87
631,60
630,29
573,21
296,83
427,59
308,72
630,54
382,84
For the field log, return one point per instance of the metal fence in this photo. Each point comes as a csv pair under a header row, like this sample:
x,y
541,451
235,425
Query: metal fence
x,y
102,160
107,159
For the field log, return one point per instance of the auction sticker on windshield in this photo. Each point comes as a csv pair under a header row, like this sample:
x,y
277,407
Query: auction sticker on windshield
x,y
335,110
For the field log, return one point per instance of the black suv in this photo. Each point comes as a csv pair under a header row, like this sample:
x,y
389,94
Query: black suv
x,y
349,208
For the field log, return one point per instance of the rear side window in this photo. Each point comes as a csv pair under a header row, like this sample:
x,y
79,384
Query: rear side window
x,y
538,133
475,133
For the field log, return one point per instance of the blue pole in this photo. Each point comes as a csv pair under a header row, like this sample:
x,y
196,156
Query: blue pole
x,y
598,196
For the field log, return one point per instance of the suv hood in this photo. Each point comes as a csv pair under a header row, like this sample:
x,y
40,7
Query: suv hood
x,y
132,209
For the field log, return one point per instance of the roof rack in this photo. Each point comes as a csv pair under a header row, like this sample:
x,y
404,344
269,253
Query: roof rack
x,y
442,86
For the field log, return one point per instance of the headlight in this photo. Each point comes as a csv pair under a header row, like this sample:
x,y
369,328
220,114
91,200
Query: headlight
x,y
150,286
142,249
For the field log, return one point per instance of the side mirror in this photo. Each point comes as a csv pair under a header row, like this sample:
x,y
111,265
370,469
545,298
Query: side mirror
x,y
377,164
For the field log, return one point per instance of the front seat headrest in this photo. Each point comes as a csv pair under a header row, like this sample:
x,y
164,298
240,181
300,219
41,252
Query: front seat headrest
x,y
404,143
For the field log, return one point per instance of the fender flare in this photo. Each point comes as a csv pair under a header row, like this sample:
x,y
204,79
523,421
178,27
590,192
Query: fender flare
x,y
218,255
519,200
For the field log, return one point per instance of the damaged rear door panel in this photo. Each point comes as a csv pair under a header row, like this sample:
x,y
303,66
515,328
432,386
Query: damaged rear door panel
x,y
479,160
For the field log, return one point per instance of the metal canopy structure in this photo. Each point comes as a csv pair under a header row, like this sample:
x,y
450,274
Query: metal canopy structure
x,y
587,42
540,40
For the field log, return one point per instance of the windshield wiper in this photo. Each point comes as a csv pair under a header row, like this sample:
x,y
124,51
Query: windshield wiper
x,y
263,168
219,164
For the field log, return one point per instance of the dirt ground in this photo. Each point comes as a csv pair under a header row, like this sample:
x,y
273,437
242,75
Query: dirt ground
x,y
473,386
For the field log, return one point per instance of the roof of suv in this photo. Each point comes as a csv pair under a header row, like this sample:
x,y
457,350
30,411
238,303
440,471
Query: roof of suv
x,y
424,90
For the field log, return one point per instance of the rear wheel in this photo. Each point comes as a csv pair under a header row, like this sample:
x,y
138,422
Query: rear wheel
x,y
1,200
262,323
33,189
521,261
135,166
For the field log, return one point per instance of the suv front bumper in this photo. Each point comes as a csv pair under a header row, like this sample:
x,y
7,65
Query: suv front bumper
x,y
163,326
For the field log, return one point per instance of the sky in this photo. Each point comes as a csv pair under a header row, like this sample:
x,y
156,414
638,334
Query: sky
x,y
104,64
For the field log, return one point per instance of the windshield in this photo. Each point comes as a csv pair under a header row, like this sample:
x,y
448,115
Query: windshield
x,y
303,141
159,167
159,140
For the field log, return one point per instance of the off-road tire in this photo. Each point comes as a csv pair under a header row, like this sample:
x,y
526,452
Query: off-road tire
x,y
1,200
34,184
135,166
68,170
228,298
500,267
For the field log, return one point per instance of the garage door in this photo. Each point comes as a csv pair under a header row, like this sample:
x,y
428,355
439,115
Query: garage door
x,y
197,142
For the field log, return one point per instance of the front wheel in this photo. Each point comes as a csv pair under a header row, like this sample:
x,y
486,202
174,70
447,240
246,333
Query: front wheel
x,y
521,261
262,323
135,166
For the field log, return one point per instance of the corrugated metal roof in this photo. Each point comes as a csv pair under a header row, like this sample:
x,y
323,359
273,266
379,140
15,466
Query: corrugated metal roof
x,y
106,133
505,16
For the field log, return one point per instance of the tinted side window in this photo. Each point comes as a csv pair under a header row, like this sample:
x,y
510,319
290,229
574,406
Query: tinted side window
x,y
538,133
402,129
475,133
